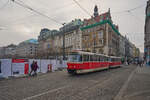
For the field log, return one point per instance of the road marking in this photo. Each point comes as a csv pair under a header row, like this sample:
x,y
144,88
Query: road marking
x,y
50,91
124,87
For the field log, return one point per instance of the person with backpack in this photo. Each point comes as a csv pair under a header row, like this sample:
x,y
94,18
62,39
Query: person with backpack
x,y
32,68
35,67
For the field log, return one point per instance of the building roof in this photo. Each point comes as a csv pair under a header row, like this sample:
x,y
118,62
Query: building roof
x,y
34,41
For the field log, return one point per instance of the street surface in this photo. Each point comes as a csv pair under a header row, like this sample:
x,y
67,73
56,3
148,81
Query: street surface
x,y
125,83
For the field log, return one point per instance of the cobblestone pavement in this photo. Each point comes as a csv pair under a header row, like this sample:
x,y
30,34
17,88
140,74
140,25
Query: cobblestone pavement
x,y
125,83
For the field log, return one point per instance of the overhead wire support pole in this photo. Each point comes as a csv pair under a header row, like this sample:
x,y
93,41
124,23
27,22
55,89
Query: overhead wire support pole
x,y
64,53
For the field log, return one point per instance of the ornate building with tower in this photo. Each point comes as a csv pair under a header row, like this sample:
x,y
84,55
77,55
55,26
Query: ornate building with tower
x,y
100,35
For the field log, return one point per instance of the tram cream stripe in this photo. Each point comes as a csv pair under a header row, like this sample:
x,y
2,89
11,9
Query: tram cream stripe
x,y
90,70
50,91
122,90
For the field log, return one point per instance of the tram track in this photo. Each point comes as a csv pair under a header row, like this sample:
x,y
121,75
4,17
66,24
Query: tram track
x,y
77,91
78,95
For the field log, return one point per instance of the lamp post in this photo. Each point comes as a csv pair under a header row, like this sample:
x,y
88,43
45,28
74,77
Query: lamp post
x,y
94,42
64,55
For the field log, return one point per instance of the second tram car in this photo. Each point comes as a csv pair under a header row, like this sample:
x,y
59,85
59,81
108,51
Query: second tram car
x,y
114,62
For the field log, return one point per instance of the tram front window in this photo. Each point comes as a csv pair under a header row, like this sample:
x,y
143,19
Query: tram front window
x,y
74,58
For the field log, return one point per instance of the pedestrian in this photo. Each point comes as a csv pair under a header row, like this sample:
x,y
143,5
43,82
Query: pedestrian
x,y
35,68
32,68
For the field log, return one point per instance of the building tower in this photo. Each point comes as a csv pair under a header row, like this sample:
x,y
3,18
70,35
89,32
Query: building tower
x,y
96,11
147,33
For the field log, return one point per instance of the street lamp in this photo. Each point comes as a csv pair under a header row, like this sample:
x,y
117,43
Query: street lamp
x,y
94,42
64,55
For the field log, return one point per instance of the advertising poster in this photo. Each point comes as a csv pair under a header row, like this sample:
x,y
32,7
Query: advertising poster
x,y
20,66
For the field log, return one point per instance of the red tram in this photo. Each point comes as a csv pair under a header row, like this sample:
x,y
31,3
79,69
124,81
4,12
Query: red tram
x,y
84,62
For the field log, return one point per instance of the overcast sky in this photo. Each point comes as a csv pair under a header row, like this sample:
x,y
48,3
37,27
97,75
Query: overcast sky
x,y
18,24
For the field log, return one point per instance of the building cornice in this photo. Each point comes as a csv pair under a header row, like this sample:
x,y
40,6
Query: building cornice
x,y
101,23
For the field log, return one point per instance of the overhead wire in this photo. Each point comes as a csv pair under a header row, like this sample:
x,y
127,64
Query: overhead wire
x,y
35,11
129,10
25,5
4,5
82,8
139,19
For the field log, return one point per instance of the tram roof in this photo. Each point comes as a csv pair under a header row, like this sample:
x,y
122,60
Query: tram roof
x,y
89,53
114,57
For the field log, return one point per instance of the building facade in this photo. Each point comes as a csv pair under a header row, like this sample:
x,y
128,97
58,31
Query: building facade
x,y
27,49
147,32
46,42
122,46
73,35
2,52
68,38
10,51
100,35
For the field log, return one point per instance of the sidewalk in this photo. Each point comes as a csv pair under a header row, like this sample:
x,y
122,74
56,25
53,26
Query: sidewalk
x,y
139,86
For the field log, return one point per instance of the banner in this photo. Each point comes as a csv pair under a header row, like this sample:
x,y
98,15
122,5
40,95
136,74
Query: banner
x,y
20,67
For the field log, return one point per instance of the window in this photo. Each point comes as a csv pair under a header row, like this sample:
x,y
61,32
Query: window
x,y
48,46
100,34
101,41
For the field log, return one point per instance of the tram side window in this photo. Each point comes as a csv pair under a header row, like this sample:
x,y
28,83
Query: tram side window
x,y
85,57
94,58
102,58
107,59
112,59
116,59
99,58
80,59
91,58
